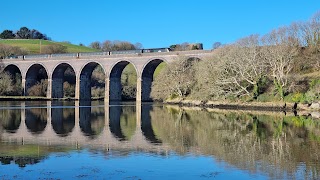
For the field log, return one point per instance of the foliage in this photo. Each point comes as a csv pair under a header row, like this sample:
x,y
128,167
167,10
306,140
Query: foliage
x,y
5,83
54,49
39,89
7,34
176,79
69,89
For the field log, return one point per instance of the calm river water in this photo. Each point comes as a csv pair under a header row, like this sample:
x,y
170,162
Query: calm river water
x,y
90,140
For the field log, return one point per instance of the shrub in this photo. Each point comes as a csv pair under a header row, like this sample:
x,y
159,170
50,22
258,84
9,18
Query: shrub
x,y
39,89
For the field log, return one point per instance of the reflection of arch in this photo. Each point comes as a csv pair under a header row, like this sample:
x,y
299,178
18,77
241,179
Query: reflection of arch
x,y
36,120
63,119
90,123
120,124
146,125
147,78
114,122
115,87
85,79
58,78
35,73
11,120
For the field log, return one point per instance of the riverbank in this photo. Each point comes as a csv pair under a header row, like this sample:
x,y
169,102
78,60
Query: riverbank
x,y
312,110
259,106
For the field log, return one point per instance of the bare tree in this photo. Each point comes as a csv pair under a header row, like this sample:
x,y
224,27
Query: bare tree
x,y
55,48
216,45
95,45
279,53
138,45
241,67
175,80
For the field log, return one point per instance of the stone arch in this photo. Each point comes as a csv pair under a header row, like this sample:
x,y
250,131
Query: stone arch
x,y
147,77
85,79
115,87
58,78
16,76
35,73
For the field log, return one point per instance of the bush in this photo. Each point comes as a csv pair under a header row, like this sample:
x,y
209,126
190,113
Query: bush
x,y
97,92
69,89
39,89
5,83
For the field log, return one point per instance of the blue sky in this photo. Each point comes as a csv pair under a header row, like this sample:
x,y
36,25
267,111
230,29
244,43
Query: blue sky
x,y
153,23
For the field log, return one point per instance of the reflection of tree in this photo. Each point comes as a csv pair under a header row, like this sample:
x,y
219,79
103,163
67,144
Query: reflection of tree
x,y
10,119
271,144
21,161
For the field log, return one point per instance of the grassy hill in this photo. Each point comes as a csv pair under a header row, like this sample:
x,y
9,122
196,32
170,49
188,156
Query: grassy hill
x,y
33,45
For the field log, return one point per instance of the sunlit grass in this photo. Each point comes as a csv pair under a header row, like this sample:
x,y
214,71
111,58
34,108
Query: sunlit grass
x,y
33,46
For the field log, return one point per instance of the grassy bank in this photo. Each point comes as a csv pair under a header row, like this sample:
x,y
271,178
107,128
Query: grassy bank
x,y
33,46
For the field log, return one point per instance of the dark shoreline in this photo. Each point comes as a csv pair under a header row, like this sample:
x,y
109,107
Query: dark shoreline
x,y
255,106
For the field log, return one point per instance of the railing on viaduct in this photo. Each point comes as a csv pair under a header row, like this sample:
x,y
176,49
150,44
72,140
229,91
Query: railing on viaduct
x,y
83,64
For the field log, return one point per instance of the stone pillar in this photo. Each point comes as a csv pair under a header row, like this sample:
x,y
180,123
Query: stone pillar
x,y
115,89
146,89
49,89
77,89
106,91
139,90
85,87
23,83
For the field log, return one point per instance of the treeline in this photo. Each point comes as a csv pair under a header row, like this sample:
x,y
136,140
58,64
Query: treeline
x,y
280,65
115,45
23,33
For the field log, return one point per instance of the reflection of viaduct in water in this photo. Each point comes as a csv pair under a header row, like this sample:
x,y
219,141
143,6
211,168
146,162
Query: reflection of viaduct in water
x,y
76,128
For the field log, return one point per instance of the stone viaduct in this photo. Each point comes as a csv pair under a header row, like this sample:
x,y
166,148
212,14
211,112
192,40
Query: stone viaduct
x,y
83,65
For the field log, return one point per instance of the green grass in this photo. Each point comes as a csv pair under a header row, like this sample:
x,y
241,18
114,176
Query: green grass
x,y
33,45
29,150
